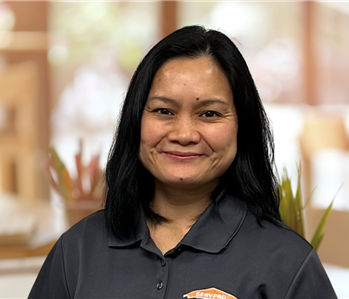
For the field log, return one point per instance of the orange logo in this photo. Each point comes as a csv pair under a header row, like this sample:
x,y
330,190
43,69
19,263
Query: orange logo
x,y
209,293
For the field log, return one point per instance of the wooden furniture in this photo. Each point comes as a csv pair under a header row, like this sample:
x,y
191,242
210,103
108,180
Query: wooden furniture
x,y
19,170
10,252
28,41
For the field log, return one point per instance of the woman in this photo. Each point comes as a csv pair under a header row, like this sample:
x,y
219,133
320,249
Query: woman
x,y
192,208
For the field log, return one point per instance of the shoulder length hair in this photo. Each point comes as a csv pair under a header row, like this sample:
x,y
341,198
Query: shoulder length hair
x,y
130,187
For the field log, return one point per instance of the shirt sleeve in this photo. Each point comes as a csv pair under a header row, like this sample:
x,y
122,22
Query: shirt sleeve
x,y
51,281
311,281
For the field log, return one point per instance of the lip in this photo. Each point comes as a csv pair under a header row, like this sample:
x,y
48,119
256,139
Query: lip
x,y
182,155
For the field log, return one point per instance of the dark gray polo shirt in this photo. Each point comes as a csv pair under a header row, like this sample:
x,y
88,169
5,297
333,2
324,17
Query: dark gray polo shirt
x,y
230,256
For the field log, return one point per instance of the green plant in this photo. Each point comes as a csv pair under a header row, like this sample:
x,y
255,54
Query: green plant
x,y
87,185
292,209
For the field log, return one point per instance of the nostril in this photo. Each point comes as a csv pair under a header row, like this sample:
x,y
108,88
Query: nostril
x,y
184,137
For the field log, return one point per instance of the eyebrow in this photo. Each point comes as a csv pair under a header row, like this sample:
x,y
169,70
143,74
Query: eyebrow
x,y
201,103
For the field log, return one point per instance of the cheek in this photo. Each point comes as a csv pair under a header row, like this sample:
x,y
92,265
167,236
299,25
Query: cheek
x,y
144,140
228,148
223,140
151,133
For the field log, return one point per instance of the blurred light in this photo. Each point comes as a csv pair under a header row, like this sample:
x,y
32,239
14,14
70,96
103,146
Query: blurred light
x,y
283,53
7,18
285,67
130,56
341,6
90,102
240,20
95,10
80,29
330,167
57,55
269,88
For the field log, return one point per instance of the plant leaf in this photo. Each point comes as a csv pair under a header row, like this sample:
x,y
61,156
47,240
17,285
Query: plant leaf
x,y
299,204
318,235
316,242
309,198
65,184
49,176
288,206
80,171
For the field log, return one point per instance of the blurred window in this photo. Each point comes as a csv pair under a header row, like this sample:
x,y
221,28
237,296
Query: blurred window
x,y
269,35
94,49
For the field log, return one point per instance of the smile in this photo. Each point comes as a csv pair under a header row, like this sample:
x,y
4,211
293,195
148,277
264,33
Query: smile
x,y
182,156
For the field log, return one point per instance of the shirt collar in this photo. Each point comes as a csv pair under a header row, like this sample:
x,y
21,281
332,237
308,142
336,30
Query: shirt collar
x,y
216,227
211,232
113,241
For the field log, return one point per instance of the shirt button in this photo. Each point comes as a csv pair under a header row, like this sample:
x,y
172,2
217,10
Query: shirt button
x,y
159,285
163,263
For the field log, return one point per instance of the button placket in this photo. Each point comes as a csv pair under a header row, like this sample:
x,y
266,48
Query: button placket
x,y
162,278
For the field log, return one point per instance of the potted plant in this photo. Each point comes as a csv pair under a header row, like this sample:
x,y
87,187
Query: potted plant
x,y
83,194
292,209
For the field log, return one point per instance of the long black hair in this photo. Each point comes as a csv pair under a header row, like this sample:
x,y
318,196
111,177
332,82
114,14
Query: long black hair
x,y
130,187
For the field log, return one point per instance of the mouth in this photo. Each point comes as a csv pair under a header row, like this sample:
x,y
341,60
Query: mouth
x,y
182,155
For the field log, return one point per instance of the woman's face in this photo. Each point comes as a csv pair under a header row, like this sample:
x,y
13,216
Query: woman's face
x,y
189,124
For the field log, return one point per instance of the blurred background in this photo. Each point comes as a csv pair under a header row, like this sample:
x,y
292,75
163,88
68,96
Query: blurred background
x,y
64,71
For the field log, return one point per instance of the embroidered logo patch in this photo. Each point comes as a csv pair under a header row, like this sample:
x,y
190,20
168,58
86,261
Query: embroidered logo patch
x,y
209,293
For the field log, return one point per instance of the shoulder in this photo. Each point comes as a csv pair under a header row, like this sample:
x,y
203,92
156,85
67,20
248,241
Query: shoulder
x,y
262,239
84,243
88,231
277,253
76,248
271,235
274,248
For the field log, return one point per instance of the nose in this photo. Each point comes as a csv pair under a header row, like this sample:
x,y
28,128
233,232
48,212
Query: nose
x,y
184,132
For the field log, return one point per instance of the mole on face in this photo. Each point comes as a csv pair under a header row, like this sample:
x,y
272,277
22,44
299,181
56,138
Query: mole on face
x,y
197,98
181,179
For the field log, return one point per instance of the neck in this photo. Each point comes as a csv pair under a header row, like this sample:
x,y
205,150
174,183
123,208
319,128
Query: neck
x,y
181,205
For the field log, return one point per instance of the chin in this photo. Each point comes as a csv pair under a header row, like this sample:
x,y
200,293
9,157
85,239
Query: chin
x,y
183,181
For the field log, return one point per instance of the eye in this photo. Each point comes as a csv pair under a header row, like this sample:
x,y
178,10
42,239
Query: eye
x,y
163,111
210,114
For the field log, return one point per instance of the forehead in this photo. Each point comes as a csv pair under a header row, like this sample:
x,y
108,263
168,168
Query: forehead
x,y
181,65
195,77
